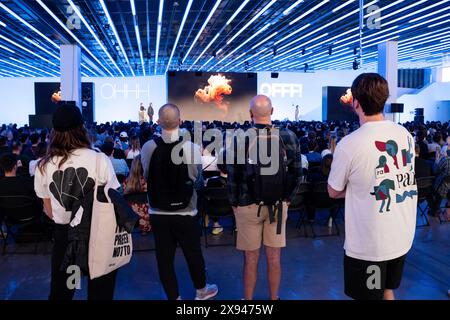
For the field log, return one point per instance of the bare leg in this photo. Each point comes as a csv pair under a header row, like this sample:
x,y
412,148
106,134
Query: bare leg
x,y
389,294
250,273
273,271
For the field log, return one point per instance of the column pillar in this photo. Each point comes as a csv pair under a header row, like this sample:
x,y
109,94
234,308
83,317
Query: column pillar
x,y
71,74
388,68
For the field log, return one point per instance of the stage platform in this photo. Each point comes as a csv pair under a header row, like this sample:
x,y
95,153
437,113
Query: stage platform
x,y
312,269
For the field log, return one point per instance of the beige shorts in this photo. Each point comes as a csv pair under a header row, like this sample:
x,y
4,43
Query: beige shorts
x,y
251,229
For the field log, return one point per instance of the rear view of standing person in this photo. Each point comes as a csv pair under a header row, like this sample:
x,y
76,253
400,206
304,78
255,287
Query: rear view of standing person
x,y
173,203
374,170
150,112
260,200
65,179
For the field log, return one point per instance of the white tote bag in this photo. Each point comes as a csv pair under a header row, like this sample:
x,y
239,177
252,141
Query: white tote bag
x,y
109,247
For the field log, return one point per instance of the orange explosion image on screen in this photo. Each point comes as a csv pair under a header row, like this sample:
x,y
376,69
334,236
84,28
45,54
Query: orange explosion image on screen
x,y
347,99
56,97
215,92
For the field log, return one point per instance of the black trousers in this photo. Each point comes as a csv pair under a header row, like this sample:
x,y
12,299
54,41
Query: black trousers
x,y
98,289
170,230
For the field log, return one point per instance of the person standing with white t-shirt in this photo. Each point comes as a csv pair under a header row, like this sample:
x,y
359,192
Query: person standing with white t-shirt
x,y
65,179
373,169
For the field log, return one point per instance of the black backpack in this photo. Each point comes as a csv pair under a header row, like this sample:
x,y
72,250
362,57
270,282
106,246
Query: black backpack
x,y
267,190
170,188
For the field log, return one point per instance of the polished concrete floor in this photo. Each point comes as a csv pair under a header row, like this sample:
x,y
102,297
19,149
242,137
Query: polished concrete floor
x,y
312,269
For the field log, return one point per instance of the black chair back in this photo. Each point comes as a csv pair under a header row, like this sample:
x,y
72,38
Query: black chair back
x,y
138,198
313,164
17,209
425,187
320,197
210,174
216,203
300,198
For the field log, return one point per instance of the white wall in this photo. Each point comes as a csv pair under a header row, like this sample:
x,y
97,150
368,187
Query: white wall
x,y
17,98
119,98
115,98
435,99
304,89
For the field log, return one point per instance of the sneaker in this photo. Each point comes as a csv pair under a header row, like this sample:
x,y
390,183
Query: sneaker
x,y
208,292
217,230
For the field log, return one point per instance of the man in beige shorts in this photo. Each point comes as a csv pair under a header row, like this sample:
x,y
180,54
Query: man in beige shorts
x,y
258,224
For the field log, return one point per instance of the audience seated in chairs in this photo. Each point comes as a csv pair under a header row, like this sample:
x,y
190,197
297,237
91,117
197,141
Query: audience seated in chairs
x,y
120,165
423,168
435,145
118,153
313,155
23,162
423,146
18,201
425,180
40,153
4,148
134,148
135,187
30,150
12,184
442,184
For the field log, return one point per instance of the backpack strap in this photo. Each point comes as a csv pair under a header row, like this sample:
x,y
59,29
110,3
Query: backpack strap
x,y
159,141
276,211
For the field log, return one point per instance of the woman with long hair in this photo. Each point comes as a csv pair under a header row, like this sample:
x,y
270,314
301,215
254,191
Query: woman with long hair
x,y
135,183
134,149
66,176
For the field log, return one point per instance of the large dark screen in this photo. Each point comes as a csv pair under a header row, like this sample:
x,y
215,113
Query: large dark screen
x,y
332,108
46,97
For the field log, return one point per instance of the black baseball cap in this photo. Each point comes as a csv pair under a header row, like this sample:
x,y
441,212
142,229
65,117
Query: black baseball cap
x,y
67,117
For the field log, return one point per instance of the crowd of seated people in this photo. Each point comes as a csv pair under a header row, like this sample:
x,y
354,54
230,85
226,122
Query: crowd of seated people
x,y
122,143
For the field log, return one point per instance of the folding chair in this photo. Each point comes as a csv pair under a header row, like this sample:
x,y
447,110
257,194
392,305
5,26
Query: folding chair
x,y
425,191
321,200
215,204
441,209
298,204
20,211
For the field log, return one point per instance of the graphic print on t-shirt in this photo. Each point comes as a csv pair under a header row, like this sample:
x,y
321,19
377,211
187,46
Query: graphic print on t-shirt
x,y
382,192
382,165
70,185
404,179
390,147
